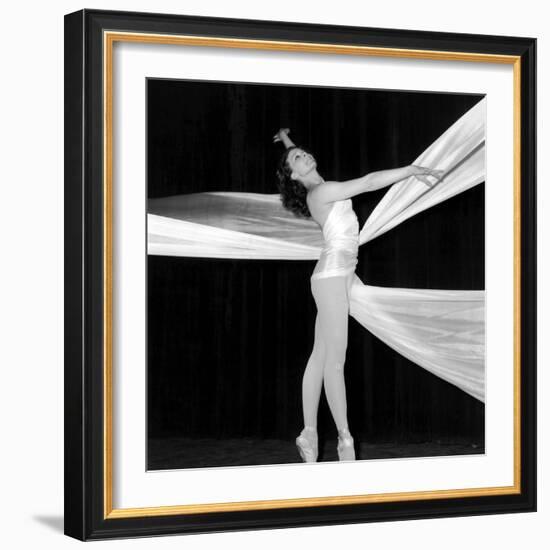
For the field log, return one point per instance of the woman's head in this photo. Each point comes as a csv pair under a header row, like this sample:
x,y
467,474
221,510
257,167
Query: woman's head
x,y
295,163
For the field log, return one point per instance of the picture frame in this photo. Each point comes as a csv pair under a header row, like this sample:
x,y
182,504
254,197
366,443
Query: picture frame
x,y
91,479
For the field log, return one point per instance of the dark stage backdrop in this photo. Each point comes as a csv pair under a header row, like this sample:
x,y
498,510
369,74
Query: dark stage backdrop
x,y
228,339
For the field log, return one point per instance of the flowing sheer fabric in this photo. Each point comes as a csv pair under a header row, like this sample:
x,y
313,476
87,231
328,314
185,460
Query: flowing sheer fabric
x,y
442,331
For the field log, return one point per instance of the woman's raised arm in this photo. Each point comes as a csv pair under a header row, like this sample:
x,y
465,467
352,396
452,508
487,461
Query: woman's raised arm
x,y
340,190
282,135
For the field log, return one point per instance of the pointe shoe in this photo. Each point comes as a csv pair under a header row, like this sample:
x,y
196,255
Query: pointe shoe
x,y
307,444
345,448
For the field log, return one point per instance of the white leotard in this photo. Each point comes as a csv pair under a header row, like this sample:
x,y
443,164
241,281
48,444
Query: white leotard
x,y
341,232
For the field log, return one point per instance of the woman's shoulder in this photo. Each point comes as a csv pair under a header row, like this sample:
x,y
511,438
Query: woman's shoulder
x,y
314,197
322,193
318,206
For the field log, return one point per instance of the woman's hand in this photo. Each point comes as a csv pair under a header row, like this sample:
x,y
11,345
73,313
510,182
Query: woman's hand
x,y
281,135
422,173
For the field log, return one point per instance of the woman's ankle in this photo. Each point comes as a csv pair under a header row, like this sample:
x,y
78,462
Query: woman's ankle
x,y
310,432
344,432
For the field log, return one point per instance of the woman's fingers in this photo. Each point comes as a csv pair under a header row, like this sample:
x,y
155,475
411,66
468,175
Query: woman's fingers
x,y
437,174
425,180
282,131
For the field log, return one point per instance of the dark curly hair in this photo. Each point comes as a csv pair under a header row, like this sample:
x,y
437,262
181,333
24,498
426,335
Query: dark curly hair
x,y
293,192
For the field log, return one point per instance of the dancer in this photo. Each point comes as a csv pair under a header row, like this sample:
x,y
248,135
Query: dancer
x,y
306,193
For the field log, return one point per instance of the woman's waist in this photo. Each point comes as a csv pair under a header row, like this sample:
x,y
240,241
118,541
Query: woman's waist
x,y
346,244
338,255
336,261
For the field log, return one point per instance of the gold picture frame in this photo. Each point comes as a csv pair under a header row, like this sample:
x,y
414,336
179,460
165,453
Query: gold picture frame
x,y
97,33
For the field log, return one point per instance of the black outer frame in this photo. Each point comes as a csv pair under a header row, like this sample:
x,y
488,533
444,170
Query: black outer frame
x,y
84,412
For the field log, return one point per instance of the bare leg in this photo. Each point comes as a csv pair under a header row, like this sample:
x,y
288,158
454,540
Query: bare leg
x,y
312,381
331,297
326,365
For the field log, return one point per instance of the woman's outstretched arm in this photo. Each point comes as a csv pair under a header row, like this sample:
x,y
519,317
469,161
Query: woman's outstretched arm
x,y
340,190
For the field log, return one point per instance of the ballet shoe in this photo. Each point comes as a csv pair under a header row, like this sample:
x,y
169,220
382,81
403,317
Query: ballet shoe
x,y
345,448
307,444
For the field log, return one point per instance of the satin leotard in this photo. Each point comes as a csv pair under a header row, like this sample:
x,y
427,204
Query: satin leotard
x,y
341,232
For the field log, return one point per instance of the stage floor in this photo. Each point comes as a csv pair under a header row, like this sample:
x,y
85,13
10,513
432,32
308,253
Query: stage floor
x,y
176,453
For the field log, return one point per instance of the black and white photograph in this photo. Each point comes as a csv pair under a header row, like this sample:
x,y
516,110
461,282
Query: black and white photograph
x,y
315,274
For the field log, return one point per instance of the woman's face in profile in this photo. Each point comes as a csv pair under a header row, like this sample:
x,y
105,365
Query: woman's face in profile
x,y
301,162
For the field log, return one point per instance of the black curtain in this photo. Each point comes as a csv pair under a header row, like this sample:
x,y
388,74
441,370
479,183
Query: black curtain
x,y
227,340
